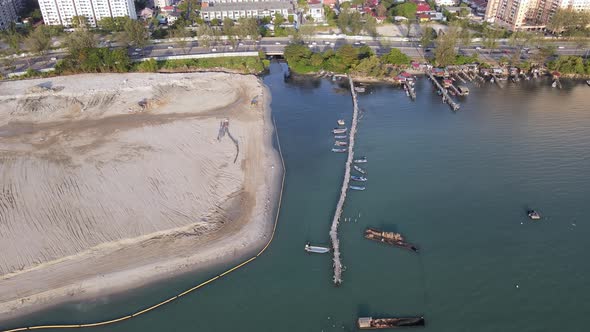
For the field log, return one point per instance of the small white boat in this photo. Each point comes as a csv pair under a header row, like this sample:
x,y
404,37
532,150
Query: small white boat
x,y
316,249
341,122
359,89
340,143
588,82
339,150
534,215
361,188
554,84
340,136
339,130
360,170
361,160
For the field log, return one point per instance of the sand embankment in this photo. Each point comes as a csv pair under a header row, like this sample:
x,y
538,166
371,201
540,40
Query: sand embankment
x,y
111,181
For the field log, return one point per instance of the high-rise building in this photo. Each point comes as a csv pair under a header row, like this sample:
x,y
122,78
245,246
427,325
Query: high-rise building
x,y
8,12
162,3
60,12
528,14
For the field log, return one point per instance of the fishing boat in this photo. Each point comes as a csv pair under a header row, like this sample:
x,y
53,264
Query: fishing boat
x,y
338,150
340,143
360,170
357,187
370,323
358,178
391,238
340,136
534,215
361,160
316,249
341,122
339,130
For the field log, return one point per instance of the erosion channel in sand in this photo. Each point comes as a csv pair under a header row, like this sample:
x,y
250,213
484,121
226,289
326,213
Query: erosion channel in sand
x,y
111,181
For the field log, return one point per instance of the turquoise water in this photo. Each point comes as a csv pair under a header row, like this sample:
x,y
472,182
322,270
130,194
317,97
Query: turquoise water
x,y
455,184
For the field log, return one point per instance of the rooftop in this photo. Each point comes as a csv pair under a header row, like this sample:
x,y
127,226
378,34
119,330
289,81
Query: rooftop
x,y
258,5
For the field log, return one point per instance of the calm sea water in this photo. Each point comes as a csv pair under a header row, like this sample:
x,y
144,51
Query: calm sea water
x,y
456,184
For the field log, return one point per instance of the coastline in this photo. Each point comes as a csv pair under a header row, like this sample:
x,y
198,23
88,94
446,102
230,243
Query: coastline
x,y
176,257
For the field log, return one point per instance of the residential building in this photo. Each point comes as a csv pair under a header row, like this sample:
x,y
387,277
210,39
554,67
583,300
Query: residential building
x,y
528,14
236,9
446,2
146,13
578,5
162,3
315,10
60,12
8,12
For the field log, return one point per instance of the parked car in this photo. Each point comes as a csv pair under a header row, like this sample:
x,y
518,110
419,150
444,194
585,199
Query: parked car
x,y
170,47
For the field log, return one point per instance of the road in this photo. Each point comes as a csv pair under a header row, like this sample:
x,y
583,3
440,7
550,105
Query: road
x,y
277,45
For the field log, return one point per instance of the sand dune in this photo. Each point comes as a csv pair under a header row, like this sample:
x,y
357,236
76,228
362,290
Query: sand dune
x,y
102,170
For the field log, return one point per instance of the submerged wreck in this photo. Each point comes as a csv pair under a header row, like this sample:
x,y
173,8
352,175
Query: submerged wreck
x,y
391,238
370,323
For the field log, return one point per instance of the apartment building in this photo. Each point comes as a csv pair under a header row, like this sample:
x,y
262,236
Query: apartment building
x,y
8,12
60,12
528,14
235,9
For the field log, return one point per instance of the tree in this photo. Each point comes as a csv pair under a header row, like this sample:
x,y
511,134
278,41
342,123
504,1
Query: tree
x,y
428,35
39,40
135,33
296,52
215,22
364,52
307,31
396,57
78,41
181,33
13,38
560,20
279,20
370,66
228,26
204,34
490,38
247,27
79,22
348,55
445,53
188,10
381,10
370,26
407,10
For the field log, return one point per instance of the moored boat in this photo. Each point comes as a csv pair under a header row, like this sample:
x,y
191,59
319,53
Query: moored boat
x,y
534,215
358,178
394,239
588,82
341,122
359,89
316,249
339,130
338,150
361,160
340,136
340,143
357,187
370,323
360,170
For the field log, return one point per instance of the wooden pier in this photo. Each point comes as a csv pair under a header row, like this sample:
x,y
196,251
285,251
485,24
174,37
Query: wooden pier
x,y
446,97
410,90
340,206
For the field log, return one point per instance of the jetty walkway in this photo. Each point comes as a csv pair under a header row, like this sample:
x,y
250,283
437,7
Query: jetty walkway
x,y
446,98
344,189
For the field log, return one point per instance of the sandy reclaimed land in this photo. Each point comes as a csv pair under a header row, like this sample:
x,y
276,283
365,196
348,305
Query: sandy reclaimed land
x,y
112,181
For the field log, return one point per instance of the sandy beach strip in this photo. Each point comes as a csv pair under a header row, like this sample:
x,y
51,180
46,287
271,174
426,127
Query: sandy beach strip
x,y
110,182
